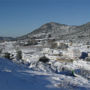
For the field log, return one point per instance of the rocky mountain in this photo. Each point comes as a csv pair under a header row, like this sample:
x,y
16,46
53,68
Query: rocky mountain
x,y
61,32
57,31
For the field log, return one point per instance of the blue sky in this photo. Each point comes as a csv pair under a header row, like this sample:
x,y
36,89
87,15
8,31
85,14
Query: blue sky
x,y
19,17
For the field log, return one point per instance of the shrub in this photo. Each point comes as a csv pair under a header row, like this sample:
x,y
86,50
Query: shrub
x,y
49,35
7,55
19,55
0,51
54,45
31,42
88,59
44,59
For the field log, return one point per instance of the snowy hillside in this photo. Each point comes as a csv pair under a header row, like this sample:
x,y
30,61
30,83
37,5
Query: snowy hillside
x,y
61,32
41,77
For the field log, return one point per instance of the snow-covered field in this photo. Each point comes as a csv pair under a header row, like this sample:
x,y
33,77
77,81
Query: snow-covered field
x,y
43,77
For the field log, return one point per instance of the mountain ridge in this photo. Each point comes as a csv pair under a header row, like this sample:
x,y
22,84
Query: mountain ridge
x,y
59,32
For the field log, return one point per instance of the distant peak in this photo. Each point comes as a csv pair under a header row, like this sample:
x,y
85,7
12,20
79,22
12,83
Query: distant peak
x,y
54,23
